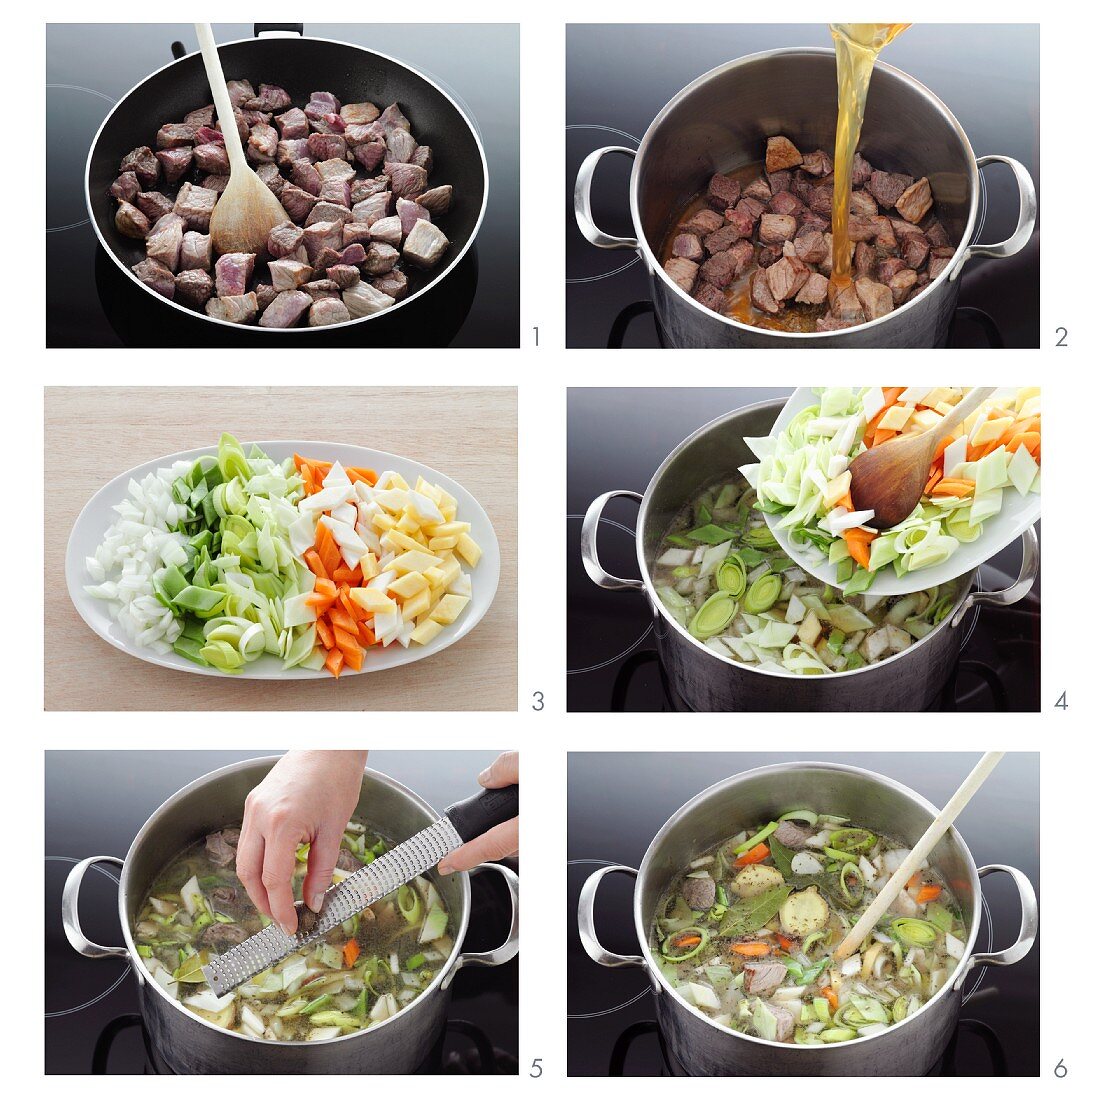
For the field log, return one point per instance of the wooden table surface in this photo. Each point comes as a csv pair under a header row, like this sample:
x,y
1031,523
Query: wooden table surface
x,y
92,434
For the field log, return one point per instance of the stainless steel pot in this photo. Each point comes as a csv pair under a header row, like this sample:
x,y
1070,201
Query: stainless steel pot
x,y
705,1048
707,681
720,122
190,1044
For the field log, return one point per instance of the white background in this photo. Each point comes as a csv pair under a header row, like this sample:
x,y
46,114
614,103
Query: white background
x,y
542,374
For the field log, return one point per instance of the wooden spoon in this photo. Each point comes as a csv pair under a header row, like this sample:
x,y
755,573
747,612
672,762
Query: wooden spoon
x,y
248,209
879,906
890,479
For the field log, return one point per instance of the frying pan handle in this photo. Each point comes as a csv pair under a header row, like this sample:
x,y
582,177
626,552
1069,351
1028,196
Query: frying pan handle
x,y
1030,566
1030,919
586,921
70,911
589,554
582,201
291,28
499,955
1026,217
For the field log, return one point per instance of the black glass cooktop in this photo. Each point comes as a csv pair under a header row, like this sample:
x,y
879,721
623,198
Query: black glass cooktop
x,y
617,802
619,76
96,802
90,303
616,440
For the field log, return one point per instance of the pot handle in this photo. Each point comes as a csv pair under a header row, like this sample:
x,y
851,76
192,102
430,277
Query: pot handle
x,y
582,201
1030,919
1030,566
586,921
290,28
70,911
499,955
589,554
1026,217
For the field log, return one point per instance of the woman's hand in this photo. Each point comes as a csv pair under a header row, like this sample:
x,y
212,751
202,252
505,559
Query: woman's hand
x,y
500,841
307,798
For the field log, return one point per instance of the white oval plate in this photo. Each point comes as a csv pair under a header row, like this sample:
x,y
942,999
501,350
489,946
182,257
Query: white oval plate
x,y
1018,514
98,514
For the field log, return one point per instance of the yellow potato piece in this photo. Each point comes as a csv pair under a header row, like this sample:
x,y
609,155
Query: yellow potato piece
x,y
404,542
383,523
369,566
373,600
449,609
418,604
410,584
468,550
407,524
991,430
446,543
425,632
896,417
414,561
446,530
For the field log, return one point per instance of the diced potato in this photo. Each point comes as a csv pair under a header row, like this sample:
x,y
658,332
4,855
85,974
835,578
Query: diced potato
x,y
373,600
468,550
426,631
408,525
754,880
444,530
449,609
896,417
414,561
405,542
990,430
369,566
409,584
383,522
446,543
418,604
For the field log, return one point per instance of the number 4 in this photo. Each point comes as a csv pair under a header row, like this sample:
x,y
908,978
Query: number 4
x,y
1061,702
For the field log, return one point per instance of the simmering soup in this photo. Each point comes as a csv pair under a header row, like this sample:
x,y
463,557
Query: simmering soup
x,y
723,577
368,969
746,933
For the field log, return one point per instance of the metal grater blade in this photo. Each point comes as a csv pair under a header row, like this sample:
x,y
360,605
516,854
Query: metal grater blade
x,y
376,880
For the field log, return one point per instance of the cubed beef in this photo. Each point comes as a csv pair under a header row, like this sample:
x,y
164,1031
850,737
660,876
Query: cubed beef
x,y
723,239
861,228
786,277
875,298
370,154
761,296
285,310
865,258
914,248
289,274
723,191
682,272
702,222
355,233
888,267
131,222
936,235
353,253
393,119
175,162
173,134
809,245
321,103
233,272
437,200
741,219
197,252
262,144
327,311
901,284
269,98
240,309
336,191
785,202
320,235
256,118
292,124
779,181
936,266
360,113
781,154
884,235
211,158
203,116
860,173
916,200
373,208
758,189
423,158
156,275
821,199
304,176
407,180
769,254
271,177
154,204
381,258
356,134
328,212
330,123
326,147
763,977
218,184
335,170
827,261
343,274
752,206
208,135
164,240
195,205
126,187
394,284
297,202
689,246
863,204
143,164
744,254
410,213
776,228
193,287
720,269
887,187
322,288
400,146
289,151
363,300
817,163
814,290
364,189
239,92
846,308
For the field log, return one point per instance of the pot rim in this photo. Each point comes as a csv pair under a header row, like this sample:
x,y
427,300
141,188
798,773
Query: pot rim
x,y
437,985
950,269
964,583
472,236
959,971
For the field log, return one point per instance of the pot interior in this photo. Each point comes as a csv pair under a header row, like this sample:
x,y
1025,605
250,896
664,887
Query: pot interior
x,y
868,799
722,122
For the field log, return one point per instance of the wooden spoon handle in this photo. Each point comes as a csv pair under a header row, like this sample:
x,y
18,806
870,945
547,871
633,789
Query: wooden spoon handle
x,y
879,906
961,410
225,113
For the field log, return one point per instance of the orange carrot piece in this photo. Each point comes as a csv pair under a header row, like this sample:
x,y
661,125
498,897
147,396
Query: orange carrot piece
x,y
882,435
752,855
928,893
344,575
334,662
364,633
857,542
351,952
320,602
939,454
752,950
360,473
345,640
832,997
954,487
315,564
1030,440
934,478
326,587
326,635
338,618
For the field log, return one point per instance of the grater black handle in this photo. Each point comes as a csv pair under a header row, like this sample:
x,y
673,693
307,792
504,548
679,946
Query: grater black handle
x,y
481,812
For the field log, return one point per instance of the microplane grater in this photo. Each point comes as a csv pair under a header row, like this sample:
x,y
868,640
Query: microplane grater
x,y
424,850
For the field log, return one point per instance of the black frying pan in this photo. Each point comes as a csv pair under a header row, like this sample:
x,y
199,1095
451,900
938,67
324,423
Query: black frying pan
x,y
300,65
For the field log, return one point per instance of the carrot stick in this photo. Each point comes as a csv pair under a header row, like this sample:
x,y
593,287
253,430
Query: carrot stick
x,y
928,893
954,487
751,950
334,662
351,952
753,855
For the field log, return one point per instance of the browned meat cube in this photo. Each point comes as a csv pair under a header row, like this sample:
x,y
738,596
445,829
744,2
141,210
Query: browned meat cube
x,y
362,300
365,189
761,296
326,147
786,277
370,154
355,233
846,308
320,235
289,151
173,134
826,263
723,239
353,253
271,177
437,200
809,245
126,187
682,272
741,219
142,162
336,191
305,176
861,229
328,212
817,163
758,189
289,274
320,104
401,147
763,977
887,187
175,162
689,246
814,290
709,296
875,298
781,154
753,207
269,98
343,274
423,247
256,118
935,234
779,181
702,222
722,192
211,158
154,204
901,284
395,284
915,248
769,254
888,267
233,272
203,116
164,241
863,204
215,183
785,202
916,200
357,134
720,269
904,229
373,208
407,180
292,125
240,92
744,253
152,273
862,170
936,266
262,144
240,309
865,258
322,288
410,213
195,205
193,287
297,202
810,219
387,230
423,158
335,171
776,228
360,113
393,119
197,252
327,311
208,135
884,235
286,309
821,198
